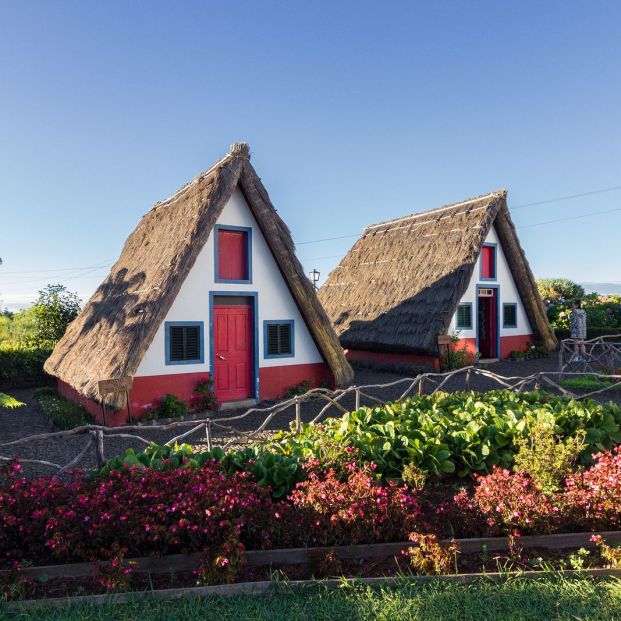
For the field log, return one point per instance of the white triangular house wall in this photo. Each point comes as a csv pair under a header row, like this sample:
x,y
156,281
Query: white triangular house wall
x,y
511,338
275,301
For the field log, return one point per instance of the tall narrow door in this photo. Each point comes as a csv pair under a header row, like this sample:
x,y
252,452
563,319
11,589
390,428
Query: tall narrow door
x,y
233,352
487,324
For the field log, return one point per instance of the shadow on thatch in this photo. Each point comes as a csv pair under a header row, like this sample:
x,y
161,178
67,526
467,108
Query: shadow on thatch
x,y
412,325
116,300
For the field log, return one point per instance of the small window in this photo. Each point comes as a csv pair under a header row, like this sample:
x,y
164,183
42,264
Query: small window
x,y
184,342
509,316
464,316
278,339
488,262
233,254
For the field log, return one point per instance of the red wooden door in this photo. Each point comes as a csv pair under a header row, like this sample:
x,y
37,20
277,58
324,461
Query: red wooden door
x,y
233,349
488,325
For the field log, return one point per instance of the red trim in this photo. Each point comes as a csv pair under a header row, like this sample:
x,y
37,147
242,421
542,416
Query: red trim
x,y
274,381
376,356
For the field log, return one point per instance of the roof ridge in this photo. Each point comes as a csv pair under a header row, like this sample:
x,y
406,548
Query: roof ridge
x,y
495,193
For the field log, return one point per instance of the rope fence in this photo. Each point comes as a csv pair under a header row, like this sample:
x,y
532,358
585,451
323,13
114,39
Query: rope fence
x,y
217,430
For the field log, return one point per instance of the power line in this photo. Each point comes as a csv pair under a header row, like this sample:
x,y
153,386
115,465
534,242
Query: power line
x,y
568,197
586,215
314,241
60,269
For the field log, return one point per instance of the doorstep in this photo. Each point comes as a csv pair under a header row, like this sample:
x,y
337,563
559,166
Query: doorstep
x,y
488,360
238,405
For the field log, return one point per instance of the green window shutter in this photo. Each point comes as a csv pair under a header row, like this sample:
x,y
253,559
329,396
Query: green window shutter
x,y
464,316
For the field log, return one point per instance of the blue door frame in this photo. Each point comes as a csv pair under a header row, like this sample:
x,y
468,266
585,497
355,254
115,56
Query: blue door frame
x,y
497,287
255,322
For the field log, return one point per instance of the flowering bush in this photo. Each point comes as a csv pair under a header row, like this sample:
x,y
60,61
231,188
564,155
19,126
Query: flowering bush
x,y
327,509
592,498
502,503
156,512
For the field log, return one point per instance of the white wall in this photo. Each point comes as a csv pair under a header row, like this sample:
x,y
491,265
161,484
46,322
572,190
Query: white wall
x,y
508,293
192,304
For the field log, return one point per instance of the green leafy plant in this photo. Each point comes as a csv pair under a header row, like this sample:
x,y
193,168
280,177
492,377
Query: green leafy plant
x,y
6,401
546,457
170,406
276,472
297,389
65,414
460,433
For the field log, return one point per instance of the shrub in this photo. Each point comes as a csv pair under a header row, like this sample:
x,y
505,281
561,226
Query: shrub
x,y
65,414
158,512
297,389
18,363
327,509
503,503
545,457
170,406
592,498
430,557
203,397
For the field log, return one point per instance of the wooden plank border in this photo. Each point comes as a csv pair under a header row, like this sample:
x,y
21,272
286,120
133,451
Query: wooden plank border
x,y
302,556
267,587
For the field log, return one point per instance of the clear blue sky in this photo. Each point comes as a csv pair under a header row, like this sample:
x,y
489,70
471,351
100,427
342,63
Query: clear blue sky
x,y
355,112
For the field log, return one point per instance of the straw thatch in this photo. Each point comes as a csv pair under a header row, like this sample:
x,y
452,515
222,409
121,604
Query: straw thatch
x,y
112,333
401,282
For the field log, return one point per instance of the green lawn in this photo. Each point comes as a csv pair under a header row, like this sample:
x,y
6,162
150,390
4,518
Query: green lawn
x,y
549,599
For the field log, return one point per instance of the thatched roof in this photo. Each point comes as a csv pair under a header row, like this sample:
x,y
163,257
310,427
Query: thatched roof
x,y
112,333
399,285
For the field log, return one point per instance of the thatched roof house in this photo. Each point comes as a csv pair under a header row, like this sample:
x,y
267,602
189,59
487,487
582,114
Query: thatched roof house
x,y
216,245
403,281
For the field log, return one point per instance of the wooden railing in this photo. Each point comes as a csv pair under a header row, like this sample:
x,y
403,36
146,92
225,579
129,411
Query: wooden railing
x,y
601,354
329,402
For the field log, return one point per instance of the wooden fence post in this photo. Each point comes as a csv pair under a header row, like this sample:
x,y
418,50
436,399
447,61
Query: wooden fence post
x,y
208,435
99,448
468,387
357,399
298,415
421,387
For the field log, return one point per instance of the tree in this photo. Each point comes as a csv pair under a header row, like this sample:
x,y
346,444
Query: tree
x,y
554,288
55,308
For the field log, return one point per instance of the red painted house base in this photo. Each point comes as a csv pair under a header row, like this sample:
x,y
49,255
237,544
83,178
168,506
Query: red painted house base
x,y
507,344
383,357
274,381
147,391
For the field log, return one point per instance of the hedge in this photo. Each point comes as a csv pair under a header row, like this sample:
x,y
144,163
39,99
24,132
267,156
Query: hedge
x,y
22,364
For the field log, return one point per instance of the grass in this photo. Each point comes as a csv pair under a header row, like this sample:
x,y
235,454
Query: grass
x,y
587,382
553,598
64,413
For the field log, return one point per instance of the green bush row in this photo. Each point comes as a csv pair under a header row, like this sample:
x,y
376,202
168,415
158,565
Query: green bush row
x,y
460,433
21,363
65,414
